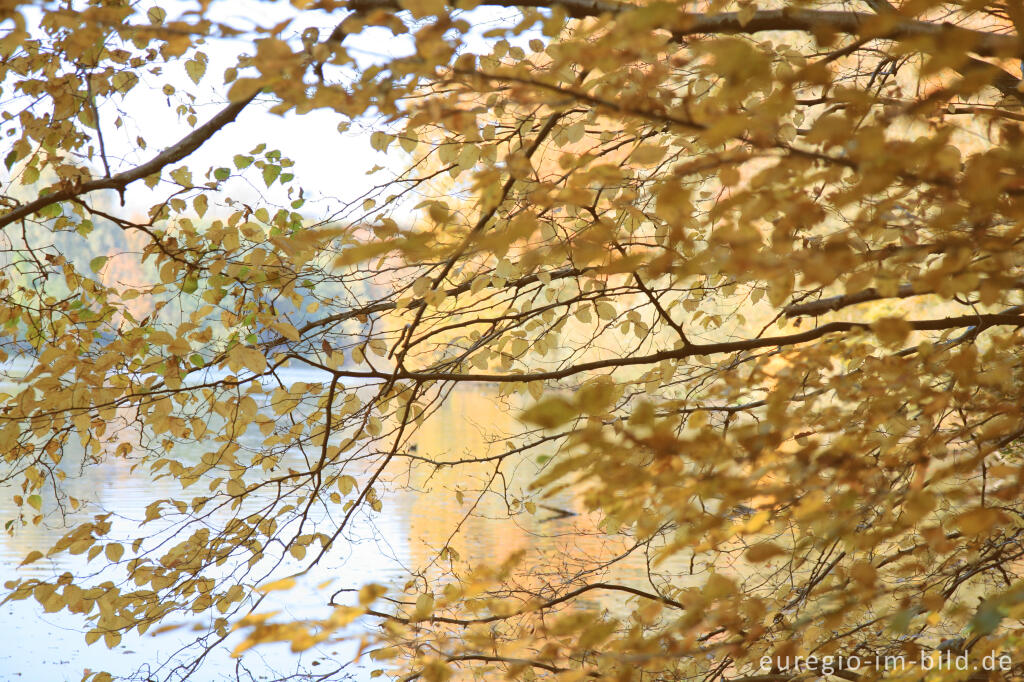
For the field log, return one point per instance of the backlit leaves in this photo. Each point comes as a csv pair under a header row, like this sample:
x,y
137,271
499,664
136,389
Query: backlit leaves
x,y
742,288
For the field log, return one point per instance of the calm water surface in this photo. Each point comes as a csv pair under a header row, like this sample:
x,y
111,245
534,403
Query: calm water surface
x,y
421,512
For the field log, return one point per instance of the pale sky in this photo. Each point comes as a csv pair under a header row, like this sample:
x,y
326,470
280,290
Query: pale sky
x,y
328,163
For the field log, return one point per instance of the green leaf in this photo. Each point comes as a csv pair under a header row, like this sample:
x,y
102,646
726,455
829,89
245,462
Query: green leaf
x,y
182,176
51,211
10,159
35,501
987,618
97,263
222,173
190,284
270,174
242,161
900,621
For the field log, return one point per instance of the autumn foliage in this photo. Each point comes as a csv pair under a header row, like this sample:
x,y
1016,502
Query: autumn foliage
x,y
741,282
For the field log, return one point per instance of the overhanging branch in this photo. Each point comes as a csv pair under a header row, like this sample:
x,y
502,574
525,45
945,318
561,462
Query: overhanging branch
x,y
175,152
859,24
832,303
977,322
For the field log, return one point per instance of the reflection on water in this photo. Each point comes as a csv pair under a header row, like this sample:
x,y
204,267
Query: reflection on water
x,y
474,509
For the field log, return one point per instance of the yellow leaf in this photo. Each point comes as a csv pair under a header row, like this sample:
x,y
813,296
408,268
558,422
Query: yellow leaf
x,y
892,331
286,330
550,412
718,586
369,593
114,551
763,551
746,13
757,521
243,356
978,521
195,69
34,555
283,584
423,8
424,607
648,154
243,89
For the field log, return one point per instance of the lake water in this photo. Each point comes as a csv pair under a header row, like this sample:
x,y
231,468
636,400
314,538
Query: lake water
x,y
423,508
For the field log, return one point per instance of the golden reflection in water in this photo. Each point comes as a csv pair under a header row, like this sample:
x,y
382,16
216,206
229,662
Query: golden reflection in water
x,y
479,508
422,514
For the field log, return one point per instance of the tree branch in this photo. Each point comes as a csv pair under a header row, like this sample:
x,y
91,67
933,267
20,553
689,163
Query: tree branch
x,y
531,608
997,78
175,152
831,303
789,19
977,322
825,305
382,306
